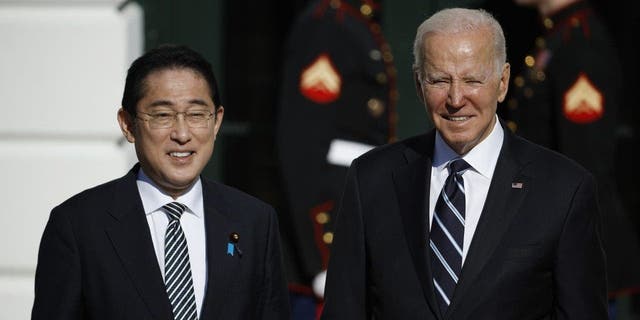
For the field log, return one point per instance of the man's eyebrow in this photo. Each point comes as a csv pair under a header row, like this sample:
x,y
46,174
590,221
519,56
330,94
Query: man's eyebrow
x,y
160,103
163,103
199,102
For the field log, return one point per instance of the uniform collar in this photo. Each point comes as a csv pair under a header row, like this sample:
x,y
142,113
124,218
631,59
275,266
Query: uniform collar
x,y
567,16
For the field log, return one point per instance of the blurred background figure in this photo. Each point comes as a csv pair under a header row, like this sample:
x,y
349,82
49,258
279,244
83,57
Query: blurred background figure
x,y
568,97
336,102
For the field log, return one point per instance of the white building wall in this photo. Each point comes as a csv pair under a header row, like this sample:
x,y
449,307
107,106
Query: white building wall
x,y
62,70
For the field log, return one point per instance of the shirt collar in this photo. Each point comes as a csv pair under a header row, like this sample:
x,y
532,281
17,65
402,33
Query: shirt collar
x,y
153,198
482,158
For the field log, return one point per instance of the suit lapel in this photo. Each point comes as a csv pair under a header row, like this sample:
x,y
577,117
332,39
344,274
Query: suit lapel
x,y
222,268
131,239
503,201
412,185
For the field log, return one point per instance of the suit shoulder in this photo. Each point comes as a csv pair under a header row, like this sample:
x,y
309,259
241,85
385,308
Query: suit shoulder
x,y
546,160
238,199
394,154
92,196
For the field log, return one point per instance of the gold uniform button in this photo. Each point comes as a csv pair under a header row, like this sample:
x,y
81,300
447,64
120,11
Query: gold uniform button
x,y
381,78
366,10
375,107
327,237
540,42
529,61
322,218
540,76
548,23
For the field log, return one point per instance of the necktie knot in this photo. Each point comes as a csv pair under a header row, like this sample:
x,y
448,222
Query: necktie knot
x,y
458,166
174,210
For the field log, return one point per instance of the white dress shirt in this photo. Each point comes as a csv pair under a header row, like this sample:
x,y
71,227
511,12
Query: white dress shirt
x,y
482,158
192,222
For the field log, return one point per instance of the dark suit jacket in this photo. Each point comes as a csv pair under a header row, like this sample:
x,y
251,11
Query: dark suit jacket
x,y
536,252
97,261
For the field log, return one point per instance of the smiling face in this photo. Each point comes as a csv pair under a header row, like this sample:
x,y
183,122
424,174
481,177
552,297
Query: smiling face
x,y
462,86
173,157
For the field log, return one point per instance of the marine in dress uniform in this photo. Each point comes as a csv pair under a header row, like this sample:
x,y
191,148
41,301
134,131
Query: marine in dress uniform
x,y
337,101
567,99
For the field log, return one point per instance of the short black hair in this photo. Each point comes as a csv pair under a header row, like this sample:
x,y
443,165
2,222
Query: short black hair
x,y
166,56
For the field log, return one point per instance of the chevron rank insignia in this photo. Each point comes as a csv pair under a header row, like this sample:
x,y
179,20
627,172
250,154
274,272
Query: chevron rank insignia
x,y
320,82
583,102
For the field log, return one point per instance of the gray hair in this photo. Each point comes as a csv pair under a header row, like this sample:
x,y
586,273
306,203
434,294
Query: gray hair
x,y
454,20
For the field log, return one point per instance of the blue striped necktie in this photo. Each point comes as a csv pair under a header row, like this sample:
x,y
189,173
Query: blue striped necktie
x,y
177,269
447,234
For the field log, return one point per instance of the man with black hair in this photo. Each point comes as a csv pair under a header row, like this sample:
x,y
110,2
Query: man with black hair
x,y
163,242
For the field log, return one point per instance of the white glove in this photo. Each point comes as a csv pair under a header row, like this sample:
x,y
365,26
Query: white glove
x,y
318,283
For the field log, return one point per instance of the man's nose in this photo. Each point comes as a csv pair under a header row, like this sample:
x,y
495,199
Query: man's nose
x,y
456,95
180,131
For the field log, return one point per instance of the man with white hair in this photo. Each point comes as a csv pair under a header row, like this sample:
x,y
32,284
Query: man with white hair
x,y
467,221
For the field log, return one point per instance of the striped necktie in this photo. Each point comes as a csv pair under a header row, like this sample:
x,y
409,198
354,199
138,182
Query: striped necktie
x,y
177,269
447,234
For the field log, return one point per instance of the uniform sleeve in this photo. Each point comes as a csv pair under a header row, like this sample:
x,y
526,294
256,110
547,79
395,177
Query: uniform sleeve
x,y
345,293
58,273
580,272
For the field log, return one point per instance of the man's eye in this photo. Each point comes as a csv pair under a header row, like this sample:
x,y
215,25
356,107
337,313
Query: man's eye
x,y
162,115
197,115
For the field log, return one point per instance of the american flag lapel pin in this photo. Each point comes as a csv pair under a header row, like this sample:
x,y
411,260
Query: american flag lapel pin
x,y
516,185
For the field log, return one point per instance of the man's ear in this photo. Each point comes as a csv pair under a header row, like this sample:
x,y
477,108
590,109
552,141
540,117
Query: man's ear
x,y
219,114
418,84
127,124
504,82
